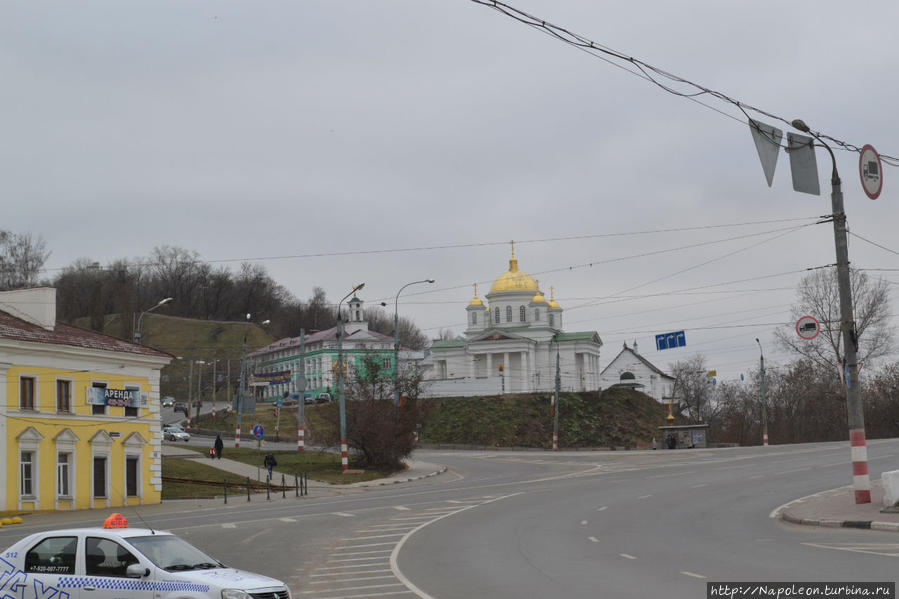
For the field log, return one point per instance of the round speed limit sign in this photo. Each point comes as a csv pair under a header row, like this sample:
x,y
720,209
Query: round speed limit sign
x,y
870,170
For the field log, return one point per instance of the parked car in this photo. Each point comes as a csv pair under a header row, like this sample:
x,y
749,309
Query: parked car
x,y
117,561
323,398
175,433
168,402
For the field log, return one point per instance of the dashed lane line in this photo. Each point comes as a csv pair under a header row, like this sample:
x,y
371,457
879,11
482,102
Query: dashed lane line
x,y
287,519
367,545
229,525
352,579
644,496
362,588
603,508
364,552
401,508
627,556
367,595
693,574
396,534
699,486
593,539
345,573
344,514
356,559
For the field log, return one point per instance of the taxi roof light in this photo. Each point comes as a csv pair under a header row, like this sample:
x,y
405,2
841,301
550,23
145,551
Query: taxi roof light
x,y
115,521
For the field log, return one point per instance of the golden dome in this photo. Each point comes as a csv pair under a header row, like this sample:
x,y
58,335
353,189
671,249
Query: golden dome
x,y
476,301
538,299
514,279
552,298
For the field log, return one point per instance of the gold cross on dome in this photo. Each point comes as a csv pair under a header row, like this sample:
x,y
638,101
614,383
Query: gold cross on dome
x,y
513,247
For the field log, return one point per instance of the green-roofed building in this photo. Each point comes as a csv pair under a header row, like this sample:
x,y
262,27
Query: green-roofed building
x,y
511,342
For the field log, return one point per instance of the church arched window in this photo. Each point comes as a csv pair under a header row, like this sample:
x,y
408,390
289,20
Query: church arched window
x,y
522,316
627,376
552,321
497,316
474,318
537,314
508,313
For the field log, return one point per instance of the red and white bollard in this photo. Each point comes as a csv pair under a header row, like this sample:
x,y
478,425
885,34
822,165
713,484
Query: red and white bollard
x,y
860,480
344,462
555,442
301,442
765,437
237,437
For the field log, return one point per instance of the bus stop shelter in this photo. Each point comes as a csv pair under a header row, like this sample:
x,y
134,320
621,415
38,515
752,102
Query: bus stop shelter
x,y
684,436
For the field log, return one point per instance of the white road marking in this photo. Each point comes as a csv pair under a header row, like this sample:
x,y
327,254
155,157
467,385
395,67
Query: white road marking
x,y
397,534
454,501
365,552
229,525
287,519
756,476
344,514
593,539
347,566
583,522
887,549
345,573
401,508
356,559
644,496
700,485
672,474
627,556
693,574
599,509
366,545
367,595
791,471
395,527
370,586
352,579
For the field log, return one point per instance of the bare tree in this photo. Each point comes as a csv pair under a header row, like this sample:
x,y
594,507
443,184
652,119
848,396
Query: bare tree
x,y
21,259
818,296
693,389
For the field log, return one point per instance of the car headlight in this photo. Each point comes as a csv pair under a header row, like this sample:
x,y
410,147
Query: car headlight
x,y
235,594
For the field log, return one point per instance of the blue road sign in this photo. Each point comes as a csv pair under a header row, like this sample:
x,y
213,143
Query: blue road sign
x,y
280,402
258,431
670,340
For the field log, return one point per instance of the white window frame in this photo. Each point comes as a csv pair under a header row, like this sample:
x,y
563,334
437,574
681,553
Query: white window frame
x,y
71,383
91,406
101,447
134,449
66,442
36,392
508,313
522,314
29,441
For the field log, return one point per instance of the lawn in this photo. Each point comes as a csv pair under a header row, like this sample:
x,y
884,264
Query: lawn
x,y
316,465
196,470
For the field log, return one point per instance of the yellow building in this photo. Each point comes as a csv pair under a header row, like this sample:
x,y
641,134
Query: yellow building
x,y
79,412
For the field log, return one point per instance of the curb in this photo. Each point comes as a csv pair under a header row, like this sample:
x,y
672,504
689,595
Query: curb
x,y
402,480
783,513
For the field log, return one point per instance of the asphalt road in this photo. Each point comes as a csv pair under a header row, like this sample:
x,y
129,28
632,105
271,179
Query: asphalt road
x,y
535,524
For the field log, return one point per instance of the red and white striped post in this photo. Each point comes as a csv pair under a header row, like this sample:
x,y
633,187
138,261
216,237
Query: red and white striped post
x,y
860,480
555,441
344,463
301,442
237,437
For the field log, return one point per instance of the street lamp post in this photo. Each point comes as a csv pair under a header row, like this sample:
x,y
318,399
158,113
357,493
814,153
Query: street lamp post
x,y
344,462
137,330
396,343
763,391
860,481
200,364
243,383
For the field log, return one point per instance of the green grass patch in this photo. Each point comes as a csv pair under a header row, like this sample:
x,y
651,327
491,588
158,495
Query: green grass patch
x,y
316,465
196,470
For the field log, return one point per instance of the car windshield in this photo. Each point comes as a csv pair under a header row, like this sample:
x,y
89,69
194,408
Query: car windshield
x,y
173,554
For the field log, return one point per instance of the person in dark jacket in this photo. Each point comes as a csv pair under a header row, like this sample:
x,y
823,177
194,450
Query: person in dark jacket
x,y
219,446
269,462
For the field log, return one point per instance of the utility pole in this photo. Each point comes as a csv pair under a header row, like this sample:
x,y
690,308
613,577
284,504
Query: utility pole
x,y
344,460
301,389
763,392
556,403
861,482
200,364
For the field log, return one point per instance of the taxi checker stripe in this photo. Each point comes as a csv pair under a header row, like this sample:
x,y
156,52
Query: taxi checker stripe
x,y
77,582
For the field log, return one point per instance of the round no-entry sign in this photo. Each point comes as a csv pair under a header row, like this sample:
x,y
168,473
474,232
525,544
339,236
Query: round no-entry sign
x,y
258,431
870,170
808,327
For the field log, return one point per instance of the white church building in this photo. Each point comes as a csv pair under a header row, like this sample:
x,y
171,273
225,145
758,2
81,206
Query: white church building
x,y
631,369
511,343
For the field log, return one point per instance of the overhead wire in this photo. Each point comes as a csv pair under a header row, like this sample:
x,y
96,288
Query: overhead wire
x,y
651,73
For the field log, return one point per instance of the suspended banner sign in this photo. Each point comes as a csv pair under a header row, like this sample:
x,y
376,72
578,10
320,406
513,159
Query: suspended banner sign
x,y
803,165
767,142
128,398
670,340
871,171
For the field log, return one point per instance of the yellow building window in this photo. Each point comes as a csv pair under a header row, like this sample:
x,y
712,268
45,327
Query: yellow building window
x,y
63,396
26,393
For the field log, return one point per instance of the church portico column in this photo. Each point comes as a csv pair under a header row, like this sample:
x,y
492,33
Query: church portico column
x,y
525,372
507,380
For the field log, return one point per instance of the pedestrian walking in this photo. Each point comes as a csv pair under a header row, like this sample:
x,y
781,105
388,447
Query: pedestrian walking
x,y
269,462
219,446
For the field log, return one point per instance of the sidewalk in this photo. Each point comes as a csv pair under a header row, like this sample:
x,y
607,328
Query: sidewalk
x,y
837,509
416,470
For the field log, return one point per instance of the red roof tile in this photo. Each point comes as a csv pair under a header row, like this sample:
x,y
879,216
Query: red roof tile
x,y
66,334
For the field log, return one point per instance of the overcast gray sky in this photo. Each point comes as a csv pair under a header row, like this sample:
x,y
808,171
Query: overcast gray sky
x,y
245,130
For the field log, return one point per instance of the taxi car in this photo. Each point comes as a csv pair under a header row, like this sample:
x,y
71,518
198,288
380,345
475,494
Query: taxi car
x,y
116,562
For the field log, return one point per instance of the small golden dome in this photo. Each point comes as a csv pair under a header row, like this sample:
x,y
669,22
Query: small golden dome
x,y
476,301
514,279
552,299
538,299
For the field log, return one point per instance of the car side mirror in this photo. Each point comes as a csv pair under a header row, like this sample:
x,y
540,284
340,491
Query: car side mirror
x,y
137,571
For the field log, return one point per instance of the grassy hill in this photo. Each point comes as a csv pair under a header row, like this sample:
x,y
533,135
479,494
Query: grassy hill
x,y
193,340
616,417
